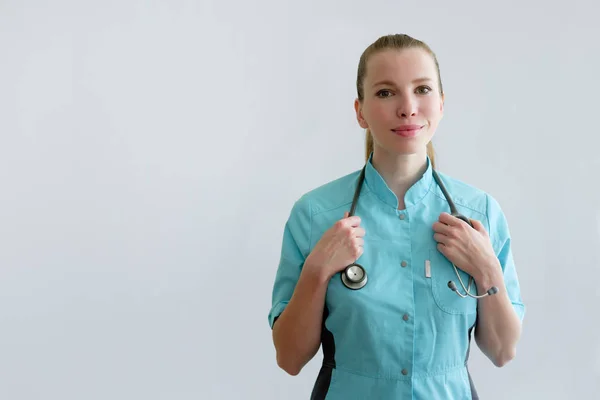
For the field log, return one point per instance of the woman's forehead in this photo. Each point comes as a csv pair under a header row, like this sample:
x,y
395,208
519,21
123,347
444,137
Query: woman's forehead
x,y
401,65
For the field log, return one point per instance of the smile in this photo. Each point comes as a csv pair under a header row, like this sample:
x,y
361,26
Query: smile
x,y
408,131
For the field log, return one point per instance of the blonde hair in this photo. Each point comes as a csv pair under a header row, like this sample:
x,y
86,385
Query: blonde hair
x,y
391,42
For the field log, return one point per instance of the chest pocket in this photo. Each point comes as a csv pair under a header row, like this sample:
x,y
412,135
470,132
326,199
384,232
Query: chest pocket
x,y
440,273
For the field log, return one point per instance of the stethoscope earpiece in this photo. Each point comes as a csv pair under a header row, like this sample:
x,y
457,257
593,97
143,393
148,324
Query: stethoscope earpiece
x,y
452,285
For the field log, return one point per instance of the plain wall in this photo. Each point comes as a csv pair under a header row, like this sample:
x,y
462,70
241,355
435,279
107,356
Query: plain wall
x,y
150,153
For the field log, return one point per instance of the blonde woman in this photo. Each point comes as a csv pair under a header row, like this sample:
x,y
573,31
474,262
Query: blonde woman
x,y
398,323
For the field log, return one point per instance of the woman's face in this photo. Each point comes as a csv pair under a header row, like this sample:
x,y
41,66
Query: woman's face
x,y
402,104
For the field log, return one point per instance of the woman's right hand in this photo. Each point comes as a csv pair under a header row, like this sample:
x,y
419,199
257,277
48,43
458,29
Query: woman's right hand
x,y
340,246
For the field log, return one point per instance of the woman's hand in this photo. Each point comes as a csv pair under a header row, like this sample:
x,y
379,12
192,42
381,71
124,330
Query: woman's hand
x,y
469,248
340,245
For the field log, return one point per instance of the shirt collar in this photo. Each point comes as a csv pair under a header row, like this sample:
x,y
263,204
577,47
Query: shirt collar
x,y
379,187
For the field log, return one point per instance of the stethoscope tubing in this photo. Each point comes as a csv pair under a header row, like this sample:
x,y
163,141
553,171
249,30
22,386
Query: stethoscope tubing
x,y
351,270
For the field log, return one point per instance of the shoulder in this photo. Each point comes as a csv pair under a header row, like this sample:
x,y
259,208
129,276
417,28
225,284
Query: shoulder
x,y
464,195
314,204
327,196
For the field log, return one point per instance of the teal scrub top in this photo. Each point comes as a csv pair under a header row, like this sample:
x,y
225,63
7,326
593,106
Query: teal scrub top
x,y
406,334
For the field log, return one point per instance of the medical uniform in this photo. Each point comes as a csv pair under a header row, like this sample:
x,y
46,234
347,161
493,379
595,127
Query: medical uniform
x,y
406,334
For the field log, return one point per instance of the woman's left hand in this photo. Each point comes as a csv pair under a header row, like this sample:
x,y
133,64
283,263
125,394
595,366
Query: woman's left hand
x,y
470,249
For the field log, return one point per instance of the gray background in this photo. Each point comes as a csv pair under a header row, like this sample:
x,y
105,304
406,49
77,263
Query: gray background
x,y
150,153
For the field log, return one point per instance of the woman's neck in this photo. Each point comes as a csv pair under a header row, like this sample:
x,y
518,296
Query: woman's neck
x,y
399,172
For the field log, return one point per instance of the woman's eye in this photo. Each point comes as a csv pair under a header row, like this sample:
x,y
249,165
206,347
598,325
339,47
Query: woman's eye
x,y
384,93
423,89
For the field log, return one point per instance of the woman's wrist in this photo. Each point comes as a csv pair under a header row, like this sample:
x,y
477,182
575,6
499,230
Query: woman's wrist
x,y
490,276
318,273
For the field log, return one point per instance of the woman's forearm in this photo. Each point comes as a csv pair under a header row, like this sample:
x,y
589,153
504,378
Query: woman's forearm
x,y
297,331
498,326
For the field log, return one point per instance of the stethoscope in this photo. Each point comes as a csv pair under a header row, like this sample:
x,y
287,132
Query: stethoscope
x,y
355,276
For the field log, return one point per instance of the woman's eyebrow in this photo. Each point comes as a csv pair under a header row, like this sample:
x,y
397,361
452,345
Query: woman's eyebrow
x,y
387,82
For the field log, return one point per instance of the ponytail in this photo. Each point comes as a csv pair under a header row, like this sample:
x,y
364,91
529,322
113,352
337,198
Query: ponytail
x,y
431,154
368,145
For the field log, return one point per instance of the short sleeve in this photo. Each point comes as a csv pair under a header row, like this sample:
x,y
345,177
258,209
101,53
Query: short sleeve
x,y
501,241
294,250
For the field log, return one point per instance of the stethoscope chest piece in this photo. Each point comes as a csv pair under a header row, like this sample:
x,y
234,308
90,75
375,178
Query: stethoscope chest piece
x,y
354,276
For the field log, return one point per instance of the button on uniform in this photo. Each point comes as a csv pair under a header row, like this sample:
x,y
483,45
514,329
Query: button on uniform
x,y
405,317
404,264
402,216
404,371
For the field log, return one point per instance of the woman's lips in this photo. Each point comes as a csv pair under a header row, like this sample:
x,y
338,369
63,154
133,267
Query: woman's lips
x,y
407,131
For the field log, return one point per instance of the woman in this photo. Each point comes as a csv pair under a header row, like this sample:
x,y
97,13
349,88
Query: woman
x,y
405,334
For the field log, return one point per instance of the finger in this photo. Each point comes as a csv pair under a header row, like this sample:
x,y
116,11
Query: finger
x,y
451,220
346,214
447,219
440,238
360,242
442,249
442,228
359,232
478,226
360,252
353,221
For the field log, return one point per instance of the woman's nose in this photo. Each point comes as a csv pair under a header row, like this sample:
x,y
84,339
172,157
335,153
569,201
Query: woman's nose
x,y
407,107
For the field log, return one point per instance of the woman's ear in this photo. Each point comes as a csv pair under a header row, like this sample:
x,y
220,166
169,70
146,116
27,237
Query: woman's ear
x,y
359,115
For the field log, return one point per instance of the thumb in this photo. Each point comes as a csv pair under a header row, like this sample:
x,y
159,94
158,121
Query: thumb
x,y
346,214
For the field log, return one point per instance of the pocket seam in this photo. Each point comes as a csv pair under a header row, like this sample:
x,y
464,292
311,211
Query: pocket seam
x,y
433,257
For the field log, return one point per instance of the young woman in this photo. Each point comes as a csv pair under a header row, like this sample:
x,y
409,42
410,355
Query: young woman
x,y
398,323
